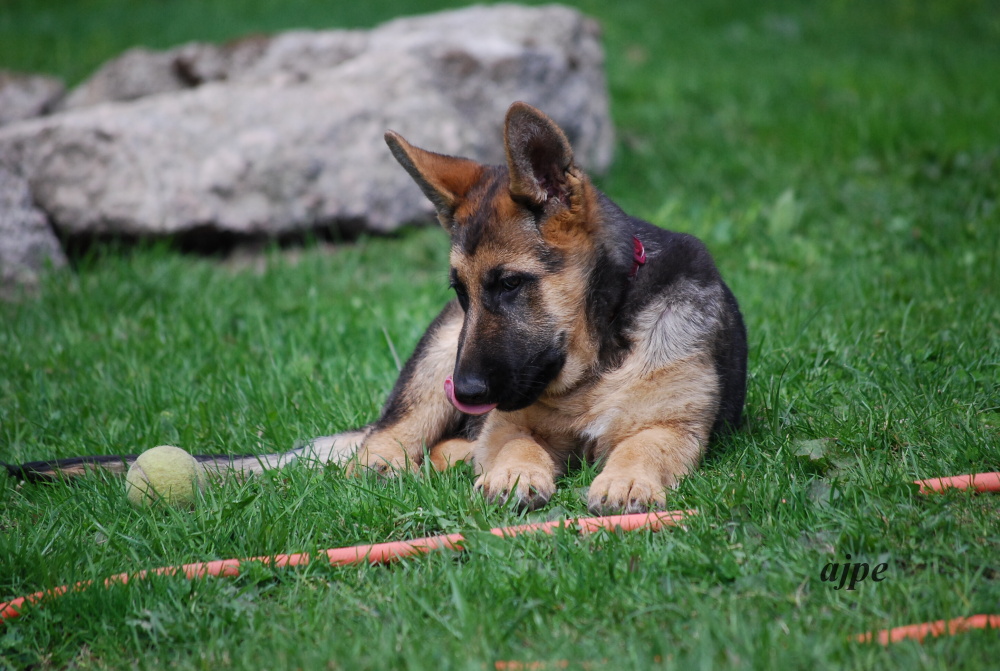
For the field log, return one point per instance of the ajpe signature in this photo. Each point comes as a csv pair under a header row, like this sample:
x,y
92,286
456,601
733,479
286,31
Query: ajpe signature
x,y
856,572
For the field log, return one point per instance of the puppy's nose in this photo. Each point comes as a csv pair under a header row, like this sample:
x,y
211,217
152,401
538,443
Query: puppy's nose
x,y
471,389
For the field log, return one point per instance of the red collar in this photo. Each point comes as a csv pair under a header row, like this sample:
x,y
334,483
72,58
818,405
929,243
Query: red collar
x,y
638,257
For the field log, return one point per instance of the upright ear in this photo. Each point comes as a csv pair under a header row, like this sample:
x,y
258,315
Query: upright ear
x,y
539,156
445,180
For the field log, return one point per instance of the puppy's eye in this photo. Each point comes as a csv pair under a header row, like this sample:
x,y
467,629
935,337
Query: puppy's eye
x,y
509,284
460,292
462,295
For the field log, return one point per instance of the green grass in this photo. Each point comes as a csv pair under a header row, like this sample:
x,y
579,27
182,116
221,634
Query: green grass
x,y
841,160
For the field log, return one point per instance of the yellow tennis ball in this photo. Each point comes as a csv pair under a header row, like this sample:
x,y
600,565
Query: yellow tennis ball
x,y
165,472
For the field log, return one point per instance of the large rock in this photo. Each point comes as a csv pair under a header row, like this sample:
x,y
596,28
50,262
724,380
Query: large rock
x,y
27,243
23,96
284,135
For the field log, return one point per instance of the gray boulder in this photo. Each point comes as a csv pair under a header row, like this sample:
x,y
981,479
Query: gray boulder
x,y
27,243
282,135
23,96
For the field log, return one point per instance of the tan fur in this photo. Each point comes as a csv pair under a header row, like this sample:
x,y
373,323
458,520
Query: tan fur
x,y
511,460
444,179
570,230
450,453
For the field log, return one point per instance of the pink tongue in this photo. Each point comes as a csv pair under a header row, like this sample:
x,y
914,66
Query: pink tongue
x,y
449,390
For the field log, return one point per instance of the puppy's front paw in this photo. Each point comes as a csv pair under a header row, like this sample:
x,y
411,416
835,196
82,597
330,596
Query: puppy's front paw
x,y
531,486
383,456
625,493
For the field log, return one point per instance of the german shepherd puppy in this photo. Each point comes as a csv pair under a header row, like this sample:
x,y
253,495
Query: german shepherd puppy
x,y
577,332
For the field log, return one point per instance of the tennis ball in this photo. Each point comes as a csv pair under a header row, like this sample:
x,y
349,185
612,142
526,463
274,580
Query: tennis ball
x,y
165,472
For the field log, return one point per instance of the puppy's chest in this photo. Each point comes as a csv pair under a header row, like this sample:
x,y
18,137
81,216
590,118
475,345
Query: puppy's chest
x,y
596,415
667,375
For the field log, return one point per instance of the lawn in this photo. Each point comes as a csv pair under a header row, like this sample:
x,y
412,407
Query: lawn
x,y
841,160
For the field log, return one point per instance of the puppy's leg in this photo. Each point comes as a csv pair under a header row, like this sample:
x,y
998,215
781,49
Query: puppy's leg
x,y
418,412
640,468
511,462
450,453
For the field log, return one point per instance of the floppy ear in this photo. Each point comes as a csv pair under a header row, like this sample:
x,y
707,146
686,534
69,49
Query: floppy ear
x,y
445,180
538,156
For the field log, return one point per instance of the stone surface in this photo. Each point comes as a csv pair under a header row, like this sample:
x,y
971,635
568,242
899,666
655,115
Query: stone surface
x,y
287,57
281,135
23,96
27,244
137,73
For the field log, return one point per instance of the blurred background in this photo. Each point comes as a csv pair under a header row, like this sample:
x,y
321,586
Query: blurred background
x,y
718,100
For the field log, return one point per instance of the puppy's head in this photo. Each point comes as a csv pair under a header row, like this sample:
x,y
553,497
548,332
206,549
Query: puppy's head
x,y
521,251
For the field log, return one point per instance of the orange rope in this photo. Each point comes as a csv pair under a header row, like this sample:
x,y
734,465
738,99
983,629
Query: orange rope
x,y
918,632
378,553
981,482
